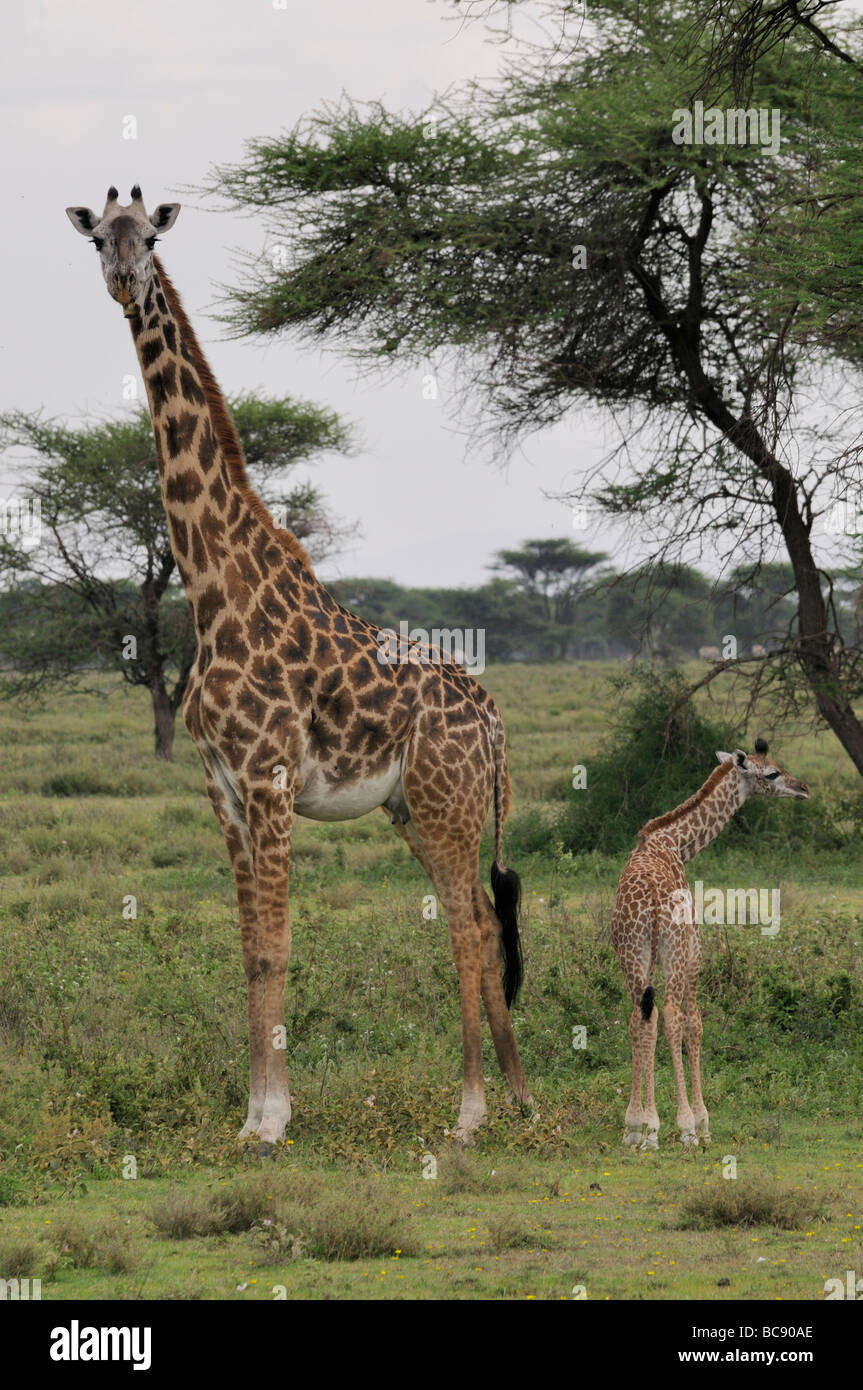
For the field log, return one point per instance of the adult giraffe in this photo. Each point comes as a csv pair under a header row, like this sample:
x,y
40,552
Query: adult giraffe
x,y
294,705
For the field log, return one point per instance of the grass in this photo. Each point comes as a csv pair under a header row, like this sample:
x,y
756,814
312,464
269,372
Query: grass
x,y
123,1050
621,1226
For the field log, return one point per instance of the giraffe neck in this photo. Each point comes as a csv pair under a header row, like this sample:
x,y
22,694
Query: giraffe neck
x,y
222,535
698,821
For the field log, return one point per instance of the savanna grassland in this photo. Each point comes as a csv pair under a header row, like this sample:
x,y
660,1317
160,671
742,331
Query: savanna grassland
x,y
122,1045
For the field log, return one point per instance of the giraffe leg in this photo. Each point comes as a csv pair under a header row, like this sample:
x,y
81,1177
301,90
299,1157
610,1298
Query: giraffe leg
x,y
674,1022
476,942
631,931
648,1048
466,944
692,1035
236,835
449,773
634,1119
455,894
266,954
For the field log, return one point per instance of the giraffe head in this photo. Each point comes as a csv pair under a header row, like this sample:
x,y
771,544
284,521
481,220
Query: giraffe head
x,y
124,238
761,776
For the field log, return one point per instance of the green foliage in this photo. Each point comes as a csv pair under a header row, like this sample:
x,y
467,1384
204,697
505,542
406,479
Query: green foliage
x,y
550,235
98,488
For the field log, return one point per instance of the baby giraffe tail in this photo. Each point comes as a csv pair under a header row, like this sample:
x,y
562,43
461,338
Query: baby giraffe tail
x,y
649,994
505,883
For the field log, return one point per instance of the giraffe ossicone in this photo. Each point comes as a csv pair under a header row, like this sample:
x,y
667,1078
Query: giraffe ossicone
x,y
653,921
287,679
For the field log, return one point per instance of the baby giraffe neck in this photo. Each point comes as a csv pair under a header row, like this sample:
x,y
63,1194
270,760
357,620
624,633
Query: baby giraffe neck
x,y
711,813
692,825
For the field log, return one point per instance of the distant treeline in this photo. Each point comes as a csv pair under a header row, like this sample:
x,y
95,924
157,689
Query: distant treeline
x,y
670,615
598,616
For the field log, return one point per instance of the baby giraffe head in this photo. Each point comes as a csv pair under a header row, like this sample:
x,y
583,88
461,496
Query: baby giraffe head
x,y
759,775
124,238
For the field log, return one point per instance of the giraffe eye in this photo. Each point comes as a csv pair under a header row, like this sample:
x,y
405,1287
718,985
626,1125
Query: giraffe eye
x,y
151,242
98,242
771,776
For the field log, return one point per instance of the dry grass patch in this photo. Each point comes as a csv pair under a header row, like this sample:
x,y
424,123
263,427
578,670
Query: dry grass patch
x,y
93,1245
182,1215
508,1232
755,1202
20,1258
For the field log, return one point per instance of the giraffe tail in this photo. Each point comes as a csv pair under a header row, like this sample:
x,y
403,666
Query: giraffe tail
x,y
649,994
505,883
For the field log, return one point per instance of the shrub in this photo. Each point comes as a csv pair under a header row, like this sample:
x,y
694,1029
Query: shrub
x,y
19,1258
93,1245
361,1222
81,784
227,1211
752,1203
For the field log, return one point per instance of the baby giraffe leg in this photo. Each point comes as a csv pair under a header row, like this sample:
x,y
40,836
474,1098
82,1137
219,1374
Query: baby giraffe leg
x,y
634,1119
692,1035
674,1021
651,1114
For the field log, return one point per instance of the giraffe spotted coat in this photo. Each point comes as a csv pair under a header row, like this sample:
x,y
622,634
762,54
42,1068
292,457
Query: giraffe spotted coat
x,y
292,709
653,922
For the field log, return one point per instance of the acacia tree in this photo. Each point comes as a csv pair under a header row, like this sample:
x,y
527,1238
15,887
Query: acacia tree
x,y
103,571
558,574
551,236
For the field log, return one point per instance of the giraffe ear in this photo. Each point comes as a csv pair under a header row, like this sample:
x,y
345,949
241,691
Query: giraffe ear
x,y
83,219
740,758
723,757
164,216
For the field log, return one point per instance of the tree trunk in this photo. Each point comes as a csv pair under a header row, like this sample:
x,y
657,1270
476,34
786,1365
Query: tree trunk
x,y
164,717
814,646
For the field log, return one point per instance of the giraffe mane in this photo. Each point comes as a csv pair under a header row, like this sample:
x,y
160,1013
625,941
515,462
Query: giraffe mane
x,y
223,426
670,817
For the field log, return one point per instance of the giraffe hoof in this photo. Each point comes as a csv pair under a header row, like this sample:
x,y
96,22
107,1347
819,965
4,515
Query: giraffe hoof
x,y
633,1137
650,1142
265,1149
689,1139
463,1138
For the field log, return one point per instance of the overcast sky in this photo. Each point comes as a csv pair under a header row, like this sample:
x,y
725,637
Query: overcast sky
x,y
200,77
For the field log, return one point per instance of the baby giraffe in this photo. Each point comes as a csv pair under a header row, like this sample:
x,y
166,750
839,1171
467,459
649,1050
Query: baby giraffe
x,y
654,919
